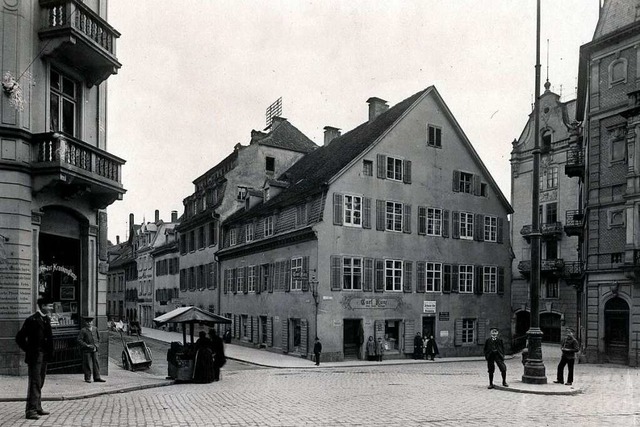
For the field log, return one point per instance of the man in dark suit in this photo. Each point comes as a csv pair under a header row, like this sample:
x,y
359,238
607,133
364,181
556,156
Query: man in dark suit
x,y
219,359
89,340
494,354
36,340
570,346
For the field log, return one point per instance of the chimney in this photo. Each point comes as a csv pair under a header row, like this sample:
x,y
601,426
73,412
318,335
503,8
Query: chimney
x,y
377,106
131,220
174,216
157,216
330,133
117,240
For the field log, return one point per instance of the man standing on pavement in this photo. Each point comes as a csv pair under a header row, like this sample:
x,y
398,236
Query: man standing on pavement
x,y
89,339
317,349
219,359
494,354
36,340
570,346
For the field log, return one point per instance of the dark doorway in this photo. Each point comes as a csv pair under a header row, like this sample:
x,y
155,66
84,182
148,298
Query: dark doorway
x,y
428,326
616,330
351,338
551,325
523,323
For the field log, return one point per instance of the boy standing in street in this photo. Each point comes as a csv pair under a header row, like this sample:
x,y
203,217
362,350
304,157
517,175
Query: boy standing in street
x,y
36,340
570,346
494,354
89,338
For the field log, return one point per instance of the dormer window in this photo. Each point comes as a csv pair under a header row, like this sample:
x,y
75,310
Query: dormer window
x,y
270,164
242,193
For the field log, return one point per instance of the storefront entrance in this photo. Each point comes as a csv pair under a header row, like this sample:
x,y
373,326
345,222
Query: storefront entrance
x,y
428,326
352,338
616,330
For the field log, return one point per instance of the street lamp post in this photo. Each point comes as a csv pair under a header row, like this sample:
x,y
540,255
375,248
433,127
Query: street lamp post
x,y
534,370
313,284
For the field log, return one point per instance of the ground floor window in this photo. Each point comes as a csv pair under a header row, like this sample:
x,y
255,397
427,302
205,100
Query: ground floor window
x,y
468,331
244,322
392,334
296,328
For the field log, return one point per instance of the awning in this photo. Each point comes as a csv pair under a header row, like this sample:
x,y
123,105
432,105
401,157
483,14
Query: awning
x,y
190,315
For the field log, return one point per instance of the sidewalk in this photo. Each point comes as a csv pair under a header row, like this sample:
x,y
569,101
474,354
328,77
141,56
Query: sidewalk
x,y
72,386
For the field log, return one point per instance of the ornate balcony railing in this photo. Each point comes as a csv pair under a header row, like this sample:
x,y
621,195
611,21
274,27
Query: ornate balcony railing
x,y
573,269
574,167
574,223
548,230
546,266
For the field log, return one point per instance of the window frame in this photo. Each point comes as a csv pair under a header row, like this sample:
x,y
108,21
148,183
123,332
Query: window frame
x,y
233,236
489,279
467,225
465,182
396,276
433,222
437,134
349,214
268,226
490,228
75,102
296,265
391,169
354,272
249,232
242,193
465,278
251,279
393,216
433,271
468,331
367,167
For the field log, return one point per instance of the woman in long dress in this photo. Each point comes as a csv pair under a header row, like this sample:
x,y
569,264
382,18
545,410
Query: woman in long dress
x,y
203,364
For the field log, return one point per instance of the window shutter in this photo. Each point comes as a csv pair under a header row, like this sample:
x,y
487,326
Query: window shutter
x,y
285,335
456,181
287,275
236,326
234,275
500,236
445,223
379,286
455,284
305,274
457,340
409,334
422,220
407,286
476,185
245,280
272,276
500,280
478,279
406,218
482,330
270,332
367,286
455,231
382,166
304,336
380,215
336,273
337,208
478,228
257,274
255,336
366,214
406,177
420,276
446,280
224,280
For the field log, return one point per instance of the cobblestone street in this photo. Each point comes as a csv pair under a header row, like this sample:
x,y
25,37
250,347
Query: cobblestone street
x,y
440,394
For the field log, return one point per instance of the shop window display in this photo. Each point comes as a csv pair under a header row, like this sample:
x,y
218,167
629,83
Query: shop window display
x,y
392,334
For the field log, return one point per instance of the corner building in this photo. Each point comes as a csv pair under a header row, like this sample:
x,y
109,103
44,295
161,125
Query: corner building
x,y
609,106
56,175
394,228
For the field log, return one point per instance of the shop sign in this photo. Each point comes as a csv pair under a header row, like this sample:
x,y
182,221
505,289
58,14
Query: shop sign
x,y
374,303
429,307
443,316
444,334
58,268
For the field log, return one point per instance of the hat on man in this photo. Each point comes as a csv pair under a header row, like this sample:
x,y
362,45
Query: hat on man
x,y
44,300
570,330
494,329
88,318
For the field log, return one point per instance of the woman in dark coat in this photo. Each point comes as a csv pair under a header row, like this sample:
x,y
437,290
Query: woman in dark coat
x,y
432,348
203,371
219,359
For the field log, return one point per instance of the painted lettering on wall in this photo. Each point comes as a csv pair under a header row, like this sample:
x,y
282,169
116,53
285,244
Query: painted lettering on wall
x,y
15,289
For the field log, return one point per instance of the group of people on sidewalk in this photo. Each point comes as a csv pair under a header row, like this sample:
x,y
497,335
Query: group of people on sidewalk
x,y
375,349
426,347
209,357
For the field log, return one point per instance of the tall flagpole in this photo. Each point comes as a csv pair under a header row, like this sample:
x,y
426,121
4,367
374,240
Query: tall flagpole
x,y
534,370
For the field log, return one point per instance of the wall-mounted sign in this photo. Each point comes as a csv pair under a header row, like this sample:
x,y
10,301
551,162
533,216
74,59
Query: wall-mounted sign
x,y
429,307
444,334
443,316
374,303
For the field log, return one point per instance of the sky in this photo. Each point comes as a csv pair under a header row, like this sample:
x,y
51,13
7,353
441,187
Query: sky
x,y
198,75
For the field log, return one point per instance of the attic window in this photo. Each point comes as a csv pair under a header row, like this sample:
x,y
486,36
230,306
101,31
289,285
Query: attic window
x,y
242,192
270,164
367,168
483,189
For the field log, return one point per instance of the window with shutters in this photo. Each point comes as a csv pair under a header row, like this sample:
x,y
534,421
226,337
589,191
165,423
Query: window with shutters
x,y
490,229
213,233
468,331
201,239
239,279
202,283
465,279
393,275
296,274
434,136
394,168
351,273
433,277
367,168
268,226
466,182
233,237
434,222
466,225
352,210
192,240
264,274
393,217
251,280
244,323
249,231
229,275
490,279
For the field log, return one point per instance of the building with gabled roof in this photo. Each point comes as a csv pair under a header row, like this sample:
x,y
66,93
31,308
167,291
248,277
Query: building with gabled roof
x,y
391,229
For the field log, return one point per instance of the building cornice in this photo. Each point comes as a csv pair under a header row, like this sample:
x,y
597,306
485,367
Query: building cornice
x,y
277,241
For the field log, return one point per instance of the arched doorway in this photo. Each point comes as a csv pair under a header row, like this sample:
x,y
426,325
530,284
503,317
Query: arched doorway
x,y
616,330
551,326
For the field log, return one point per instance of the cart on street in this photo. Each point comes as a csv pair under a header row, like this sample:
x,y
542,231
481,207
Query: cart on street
x,y
136,355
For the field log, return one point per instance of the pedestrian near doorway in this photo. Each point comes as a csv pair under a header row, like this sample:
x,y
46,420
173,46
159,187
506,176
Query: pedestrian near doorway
x,y
317,350
89,340
570,346
371,349
417,346
379,349
494,354
431,348
36,340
